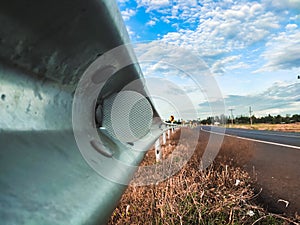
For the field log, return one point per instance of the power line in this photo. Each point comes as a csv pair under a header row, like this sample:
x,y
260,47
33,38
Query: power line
x,y
231,110
250,113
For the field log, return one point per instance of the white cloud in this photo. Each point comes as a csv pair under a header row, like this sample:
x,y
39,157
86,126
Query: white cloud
x,y
222,65
220,28
223,30
284,4
239,65
153,4
280,98
172,9
151,23
291,26
128,13
230,35
167,58
166,20
283,52
295,17
158,59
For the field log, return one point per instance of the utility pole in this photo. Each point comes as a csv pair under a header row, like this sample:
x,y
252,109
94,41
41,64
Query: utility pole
x,y
250,113
231,116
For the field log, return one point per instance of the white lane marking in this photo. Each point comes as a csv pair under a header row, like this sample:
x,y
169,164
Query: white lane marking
x,y
282,135
250,139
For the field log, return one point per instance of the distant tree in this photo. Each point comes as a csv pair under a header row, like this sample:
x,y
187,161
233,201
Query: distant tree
x,y
242,119
177,122
254,119
269,119
223,119
208,120
229,120
295,118
216,119
287,118
278,119
261,120
245,119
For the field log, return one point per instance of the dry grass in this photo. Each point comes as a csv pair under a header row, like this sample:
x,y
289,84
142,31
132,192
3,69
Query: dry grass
x,y
222,194
293,127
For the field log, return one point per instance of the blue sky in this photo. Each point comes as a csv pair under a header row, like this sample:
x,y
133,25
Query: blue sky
x,y
252,48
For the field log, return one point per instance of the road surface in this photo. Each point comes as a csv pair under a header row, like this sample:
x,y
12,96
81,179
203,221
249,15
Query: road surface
x,y
276,159
285,139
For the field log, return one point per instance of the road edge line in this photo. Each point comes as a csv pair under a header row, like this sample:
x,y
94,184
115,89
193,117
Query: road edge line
x,y
255,140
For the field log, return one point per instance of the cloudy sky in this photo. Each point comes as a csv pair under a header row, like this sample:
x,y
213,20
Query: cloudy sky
x,y
251,49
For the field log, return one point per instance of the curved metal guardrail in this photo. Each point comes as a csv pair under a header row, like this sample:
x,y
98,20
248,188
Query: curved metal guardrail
x,y
45,46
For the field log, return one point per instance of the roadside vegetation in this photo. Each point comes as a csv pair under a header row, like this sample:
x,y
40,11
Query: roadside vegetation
x,y
292,127
224,193
288,119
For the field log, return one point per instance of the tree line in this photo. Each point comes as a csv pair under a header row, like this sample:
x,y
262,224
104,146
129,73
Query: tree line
x,y
246,119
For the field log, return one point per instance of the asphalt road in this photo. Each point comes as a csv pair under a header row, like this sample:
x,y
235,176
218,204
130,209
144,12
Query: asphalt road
x,y
276,162
284,139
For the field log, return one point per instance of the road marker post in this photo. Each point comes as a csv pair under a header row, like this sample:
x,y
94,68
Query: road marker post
x,y
158,151
164,138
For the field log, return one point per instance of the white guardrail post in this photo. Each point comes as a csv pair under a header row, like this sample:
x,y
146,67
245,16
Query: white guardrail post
x,y
164,138
158,151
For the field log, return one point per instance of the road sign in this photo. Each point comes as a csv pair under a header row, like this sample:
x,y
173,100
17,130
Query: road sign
x,y
172,118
